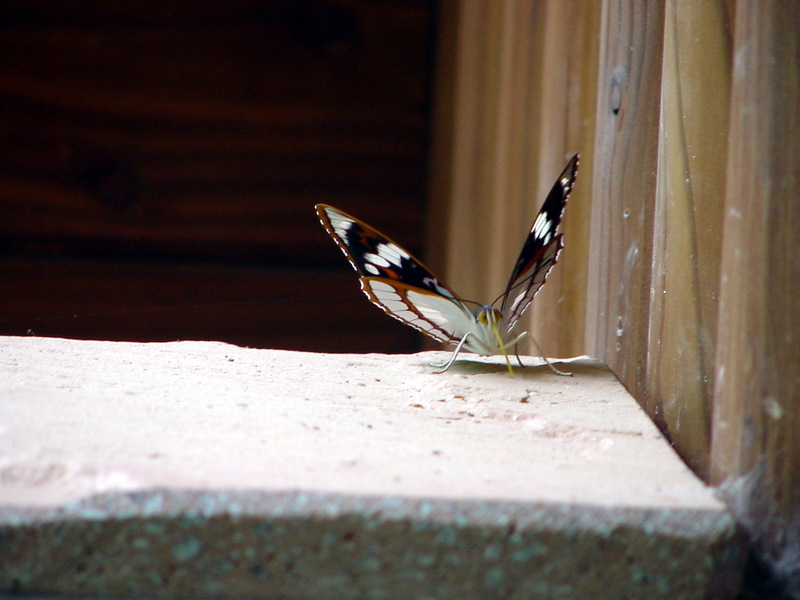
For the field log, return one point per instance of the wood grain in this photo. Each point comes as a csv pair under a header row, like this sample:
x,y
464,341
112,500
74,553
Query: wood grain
x,y
141,301
205,133
564,107
477,141
688,223
504,104
624,188
755,446
210,130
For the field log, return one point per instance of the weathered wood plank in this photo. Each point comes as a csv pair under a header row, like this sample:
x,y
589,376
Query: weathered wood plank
x,y
624,188
502,116
564,106
688,223
477,126
479,145
203,134
211,130
755,444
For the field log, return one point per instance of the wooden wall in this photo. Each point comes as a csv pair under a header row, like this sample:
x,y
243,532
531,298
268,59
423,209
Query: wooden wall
x,y
755,451
682,262
159,163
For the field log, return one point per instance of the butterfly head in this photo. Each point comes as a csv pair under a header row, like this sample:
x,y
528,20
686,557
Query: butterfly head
x,y
488,315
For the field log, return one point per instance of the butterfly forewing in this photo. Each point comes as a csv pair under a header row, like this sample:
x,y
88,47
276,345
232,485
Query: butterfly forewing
x,y
394,280
541,249
373,254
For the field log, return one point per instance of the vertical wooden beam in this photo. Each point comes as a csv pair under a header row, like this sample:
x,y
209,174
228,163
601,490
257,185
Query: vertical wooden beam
x,y
516,95
478,141
564,108
756,420
443,168
452,138
688,223
483,160
508,182
624,188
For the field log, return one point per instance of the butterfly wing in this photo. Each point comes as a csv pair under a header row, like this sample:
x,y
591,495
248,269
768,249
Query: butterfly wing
x,y
541,249
439,317
394,280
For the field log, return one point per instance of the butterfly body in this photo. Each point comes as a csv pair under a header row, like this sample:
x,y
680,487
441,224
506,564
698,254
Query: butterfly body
x,y
407,290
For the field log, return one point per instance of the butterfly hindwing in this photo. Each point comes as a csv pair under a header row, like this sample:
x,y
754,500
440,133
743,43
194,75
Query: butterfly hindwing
x,y
431,313
541,249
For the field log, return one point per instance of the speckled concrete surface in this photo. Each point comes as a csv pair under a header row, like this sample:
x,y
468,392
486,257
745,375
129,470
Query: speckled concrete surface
x,y
204,469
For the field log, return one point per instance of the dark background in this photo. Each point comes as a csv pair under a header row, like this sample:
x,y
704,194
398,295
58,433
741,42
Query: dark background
x,y
159,163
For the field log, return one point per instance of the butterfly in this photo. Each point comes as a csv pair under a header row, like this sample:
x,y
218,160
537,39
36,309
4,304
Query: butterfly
x,y
406,289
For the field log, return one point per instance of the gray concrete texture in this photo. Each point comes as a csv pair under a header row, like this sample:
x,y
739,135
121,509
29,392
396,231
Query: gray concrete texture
x,y
209,470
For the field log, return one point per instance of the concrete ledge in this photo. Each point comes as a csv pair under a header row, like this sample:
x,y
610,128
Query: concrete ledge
x,y
204,469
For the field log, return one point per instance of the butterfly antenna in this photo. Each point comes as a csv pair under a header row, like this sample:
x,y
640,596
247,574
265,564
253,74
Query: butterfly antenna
x,y
518,284
475,302
498,298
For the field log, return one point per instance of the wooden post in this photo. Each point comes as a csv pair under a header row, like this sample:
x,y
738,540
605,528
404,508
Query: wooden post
x,y
564,107
624,188
516,95
484,67
688,223
756,420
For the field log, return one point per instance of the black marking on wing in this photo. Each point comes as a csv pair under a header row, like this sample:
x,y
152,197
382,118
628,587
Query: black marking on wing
x,y
541,249
373,254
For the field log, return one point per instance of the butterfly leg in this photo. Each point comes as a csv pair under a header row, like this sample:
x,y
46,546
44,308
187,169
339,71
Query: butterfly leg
x,y
515,342
539,350
446,365
549,364
516,353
